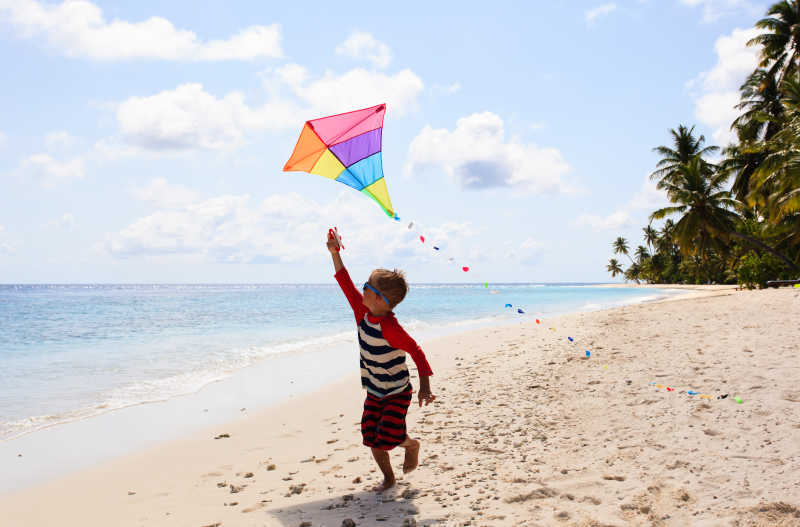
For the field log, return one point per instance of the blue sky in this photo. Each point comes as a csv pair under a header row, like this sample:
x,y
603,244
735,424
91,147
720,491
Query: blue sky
x,y
144,141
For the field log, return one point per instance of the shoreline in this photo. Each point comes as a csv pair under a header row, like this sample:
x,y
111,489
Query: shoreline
x,y
575,426
148,424
690,287
303,346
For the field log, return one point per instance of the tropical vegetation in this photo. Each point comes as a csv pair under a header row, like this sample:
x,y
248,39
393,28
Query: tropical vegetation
x,y
735,218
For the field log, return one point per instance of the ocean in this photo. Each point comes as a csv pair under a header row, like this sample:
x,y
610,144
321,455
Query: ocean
x,y
72,352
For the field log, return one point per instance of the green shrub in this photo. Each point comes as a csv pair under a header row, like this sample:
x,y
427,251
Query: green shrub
x,y
754,270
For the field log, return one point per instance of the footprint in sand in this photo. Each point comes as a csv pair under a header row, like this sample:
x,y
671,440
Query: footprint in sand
x,y
253,508
677,464
792,397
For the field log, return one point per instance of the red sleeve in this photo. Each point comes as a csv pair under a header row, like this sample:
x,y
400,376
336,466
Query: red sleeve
x,y
352,294
397,337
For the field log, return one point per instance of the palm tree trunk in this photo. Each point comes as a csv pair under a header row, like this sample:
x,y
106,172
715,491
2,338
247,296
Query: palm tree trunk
x,y
761,245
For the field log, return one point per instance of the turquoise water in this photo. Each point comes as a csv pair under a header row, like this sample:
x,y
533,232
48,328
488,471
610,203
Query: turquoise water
x,y
69,352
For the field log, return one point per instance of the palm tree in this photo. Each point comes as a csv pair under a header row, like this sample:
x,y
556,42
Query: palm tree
x,y
641,254
760,97
633,272
614,268
741,160
779,173
685,147
707,219
650,236
704,205
760,119
775,184
780,43
665,243
621,247
657,266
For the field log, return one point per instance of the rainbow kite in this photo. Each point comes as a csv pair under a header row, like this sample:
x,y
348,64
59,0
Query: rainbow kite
x,y
345,148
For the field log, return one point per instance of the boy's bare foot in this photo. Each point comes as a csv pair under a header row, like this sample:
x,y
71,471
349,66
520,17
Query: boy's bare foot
x,y
411,460
386,485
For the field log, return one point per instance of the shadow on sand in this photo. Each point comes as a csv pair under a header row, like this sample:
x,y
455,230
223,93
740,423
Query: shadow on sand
x,y
365,508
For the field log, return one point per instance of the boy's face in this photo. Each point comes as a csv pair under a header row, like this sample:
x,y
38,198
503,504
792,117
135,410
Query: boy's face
x,y
373,301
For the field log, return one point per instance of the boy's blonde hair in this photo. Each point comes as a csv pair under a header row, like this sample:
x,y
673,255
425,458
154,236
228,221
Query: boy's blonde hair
x,y
392,284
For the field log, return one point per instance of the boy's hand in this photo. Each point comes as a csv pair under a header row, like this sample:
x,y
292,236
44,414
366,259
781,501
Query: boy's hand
x,y
333,244
425,394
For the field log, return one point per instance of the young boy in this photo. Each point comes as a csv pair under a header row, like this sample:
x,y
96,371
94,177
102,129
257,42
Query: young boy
x,y
384,374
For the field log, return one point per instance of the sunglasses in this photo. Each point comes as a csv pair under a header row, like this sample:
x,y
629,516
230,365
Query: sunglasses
x,y
367,285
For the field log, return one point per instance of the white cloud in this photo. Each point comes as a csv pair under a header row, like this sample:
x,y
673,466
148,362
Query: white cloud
x,y
529,252
79,29
59,139
49,172
716,91
476,155
446,89
5,247
189,118
615,220
590,15
363,46
66,222
286,228
357,88
165,195
647,199
717,110
715,9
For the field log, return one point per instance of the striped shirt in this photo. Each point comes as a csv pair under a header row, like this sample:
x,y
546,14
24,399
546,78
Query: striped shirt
x,y
383,344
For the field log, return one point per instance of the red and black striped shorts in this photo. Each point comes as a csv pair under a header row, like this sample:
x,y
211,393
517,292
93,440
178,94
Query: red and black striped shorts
x,y
383,424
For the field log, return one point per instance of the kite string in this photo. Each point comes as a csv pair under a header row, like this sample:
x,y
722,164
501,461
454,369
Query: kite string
x,y
571,339
464,268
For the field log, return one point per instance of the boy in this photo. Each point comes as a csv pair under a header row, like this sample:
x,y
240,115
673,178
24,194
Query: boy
x,y
384,374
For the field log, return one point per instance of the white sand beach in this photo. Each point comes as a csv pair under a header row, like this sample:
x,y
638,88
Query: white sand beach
x,y
526,430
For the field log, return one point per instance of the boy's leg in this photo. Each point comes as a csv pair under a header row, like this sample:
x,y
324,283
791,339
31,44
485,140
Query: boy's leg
x,y
393,426
411,459
384,463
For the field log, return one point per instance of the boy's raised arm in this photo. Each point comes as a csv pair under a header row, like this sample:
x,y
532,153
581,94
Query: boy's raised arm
x,y
333,248
345,282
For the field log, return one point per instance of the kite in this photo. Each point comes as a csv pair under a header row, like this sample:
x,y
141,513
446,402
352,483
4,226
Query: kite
x,y
346,148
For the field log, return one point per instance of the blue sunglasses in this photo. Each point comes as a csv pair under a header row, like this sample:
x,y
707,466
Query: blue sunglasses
x,y
368,286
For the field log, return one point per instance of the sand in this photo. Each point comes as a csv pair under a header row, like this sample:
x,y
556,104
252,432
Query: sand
x,y
526,431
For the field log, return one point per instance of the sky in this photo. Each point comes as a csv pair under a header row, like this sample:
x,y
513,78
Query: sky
x,y
143,142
